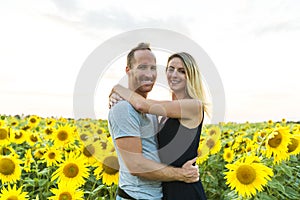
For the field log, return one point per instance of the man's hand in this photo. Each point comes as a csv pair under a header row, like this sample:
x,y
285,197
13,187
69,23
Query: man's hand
x,y
190,171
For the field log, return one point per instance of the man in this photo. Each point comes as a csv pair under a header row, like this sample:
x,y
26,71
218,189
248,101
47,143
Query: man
x,y
134,137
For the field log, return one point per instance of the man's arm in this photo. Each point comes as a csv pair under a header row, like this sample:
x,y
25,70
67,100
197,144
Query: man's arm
x,y
130,149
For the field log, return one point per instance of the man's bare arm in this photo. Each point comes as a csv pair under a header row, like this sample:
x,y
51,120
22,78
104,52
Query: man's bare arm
x,y
130,149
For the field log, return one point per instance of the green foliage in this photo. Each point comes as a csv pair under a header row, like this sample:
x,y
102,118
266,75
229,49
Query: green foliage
x,y
285,184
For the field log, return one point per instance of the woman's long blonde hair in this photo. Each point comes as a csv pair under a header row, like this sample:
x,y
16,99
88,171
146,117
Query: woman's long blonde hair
x,y
195,85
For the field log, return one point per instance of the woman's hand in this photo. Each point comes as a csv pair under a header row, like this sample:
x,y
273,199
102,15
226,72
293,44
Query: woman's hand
x,y
114,98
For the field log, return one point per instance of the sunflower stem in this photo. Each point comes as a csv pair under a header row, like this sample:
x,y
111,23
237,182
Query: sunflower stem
x,y
205,164
94,185
112,192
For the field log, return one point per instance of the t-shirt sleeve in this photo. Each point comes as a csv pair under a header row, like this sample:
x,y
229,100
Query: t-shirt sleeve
x,y
124,121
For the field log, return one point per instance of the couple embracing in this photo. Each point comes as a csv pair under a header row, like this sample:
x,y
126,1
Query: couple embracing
x,y
157,158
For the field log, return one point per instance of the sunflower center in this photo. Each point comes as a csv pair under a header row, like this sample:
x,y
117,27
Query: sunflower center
x,y
6,150
99,131
49,123
84,137
51,155
12,197
275,141
248,149
111,165
33,138
48,131
62,135
228,155
7,166
18,135
32,120
262,134
3,134
104,145
293,145
39,153
89,150
25,128
246,174
71,170
65,196
212,132
210,143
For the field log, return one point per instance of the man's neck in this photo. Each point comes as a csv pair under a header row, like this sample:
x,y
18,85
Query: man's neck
x,y
144,94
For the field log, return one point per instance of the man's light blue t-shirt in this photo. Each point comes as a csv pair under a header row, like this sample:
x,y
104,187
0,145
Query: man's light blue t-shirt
x,y
125,121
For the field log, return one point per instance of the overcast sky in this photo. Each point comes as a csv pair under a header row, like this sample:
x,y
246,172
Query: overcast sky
x,y
254,45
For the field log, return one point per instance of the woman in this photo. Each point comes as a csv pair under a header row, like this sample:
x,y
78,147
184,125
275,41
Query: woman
x,y
178,140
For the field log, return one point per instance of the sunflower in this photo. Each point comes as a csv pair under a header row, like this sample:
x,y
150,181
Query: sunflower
x,y
33,138
101,131
48,132
85,136
64,135
214,132
203,153
50,122
228,144
12,193
92,151
2,123
277,144
39,153
283,120
258,136
64,192
213,144
34,121
62,120
28,159
247,175
10,170
52,156
4,135
108,169
18,136
25,128
277,125
250,148
14,122
270,122
73,171
227,134
8,150
237,143
107,147
294,146
228,155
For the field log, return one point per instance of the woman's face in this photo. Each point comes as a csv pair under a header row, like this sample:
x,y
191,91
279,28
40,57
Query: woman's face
x,y
176,75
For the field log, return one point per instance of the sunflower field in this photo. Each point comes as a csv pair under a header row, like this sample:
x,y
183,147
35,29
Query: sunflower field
x,y
66,159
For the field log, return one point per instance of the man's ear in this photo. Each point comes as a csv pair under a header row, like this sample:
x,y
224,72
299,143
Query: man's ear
x,y
127,69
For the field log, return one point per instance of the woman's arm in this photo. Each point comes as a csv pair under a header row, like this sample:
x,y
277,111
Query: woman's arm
x,y
184,108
